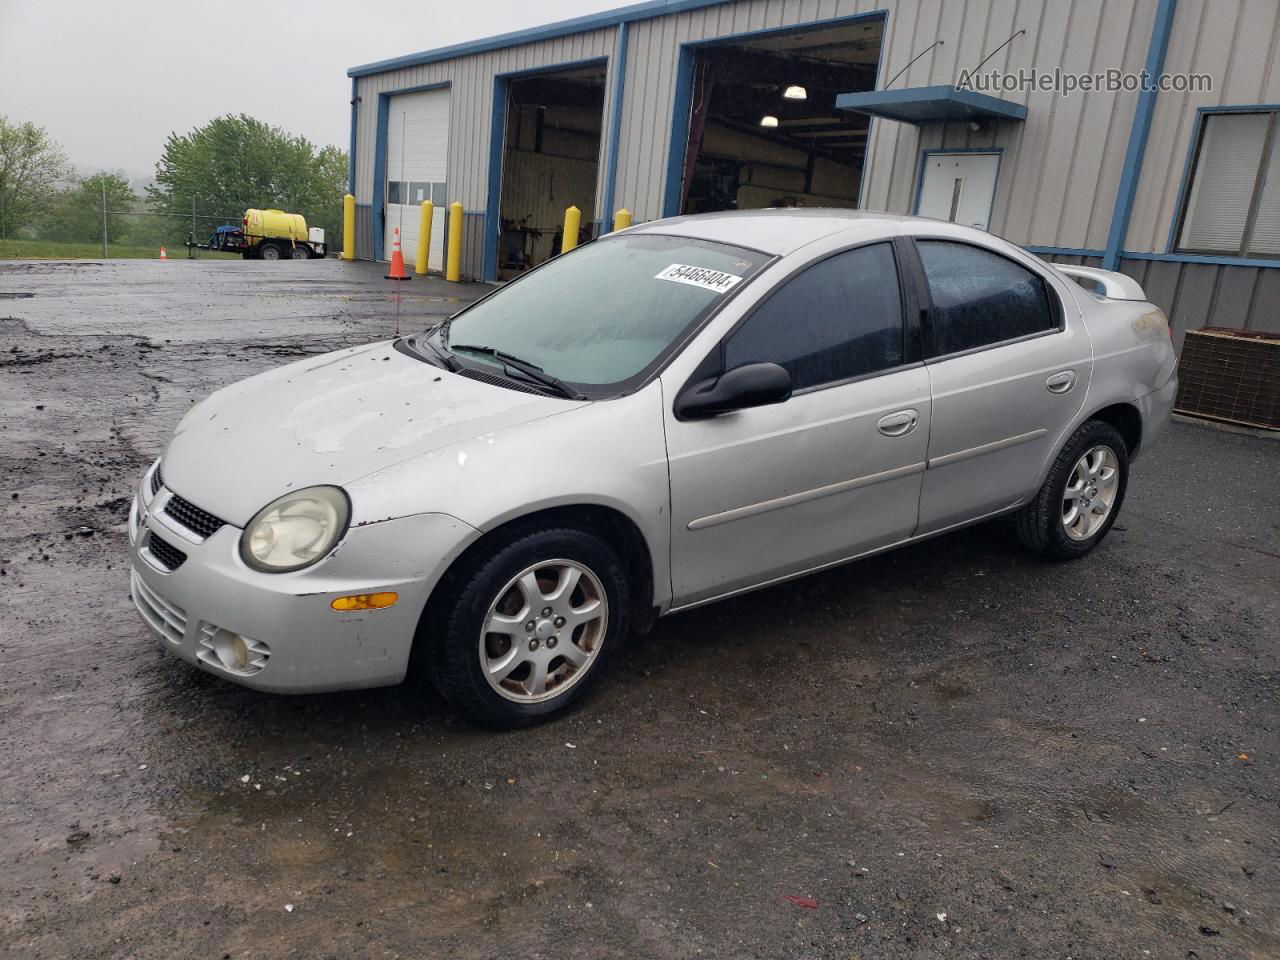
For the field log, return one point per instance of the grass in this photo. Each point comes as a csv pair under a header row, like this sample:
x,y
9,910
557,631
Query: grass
x,y
53,250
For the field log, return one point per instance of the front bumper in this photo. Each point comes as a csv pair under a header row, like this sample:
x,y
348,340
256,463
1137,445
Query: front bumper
x,y
294,640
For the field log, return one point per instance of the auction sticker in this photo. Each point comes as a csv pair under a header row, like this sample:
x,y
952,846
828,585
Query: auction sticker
x,y
715,280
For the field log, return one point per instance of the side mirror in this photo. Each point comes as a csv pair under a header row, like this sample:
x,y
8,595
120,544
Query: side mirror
x,y
750,385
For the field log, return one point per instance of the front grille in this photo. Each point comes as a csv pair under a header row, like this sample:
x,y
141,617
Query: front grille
x,y
157,481
167,619
168,556
192,517
498,381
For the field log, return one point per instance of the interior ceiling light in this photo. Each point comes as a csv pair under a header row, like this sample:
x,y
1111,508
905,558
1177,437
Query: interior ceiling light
x,y
768,120
795,92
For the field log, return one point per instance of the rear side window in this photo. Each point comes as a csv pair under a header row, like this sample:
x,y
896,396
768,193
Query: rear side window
x,y
981,298
839,319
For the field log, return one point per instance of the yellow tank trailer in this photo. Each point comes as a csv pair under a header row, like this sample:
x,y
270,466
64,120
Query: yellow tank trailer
x,y
267,235
276,235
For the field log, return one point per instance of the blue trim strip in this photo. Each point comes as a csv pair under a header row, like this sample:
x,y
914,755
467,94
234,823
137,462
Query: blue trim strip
x,y
941,102
683,95
1066,252
595,21
378,220
1184,184
493,199
683,103
1137,148
497,140
1194,258
615,125
997,152
351,150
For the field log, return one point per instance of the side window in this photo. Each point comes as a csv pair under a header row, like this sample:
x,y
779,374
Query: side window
x,y
838,319
980,298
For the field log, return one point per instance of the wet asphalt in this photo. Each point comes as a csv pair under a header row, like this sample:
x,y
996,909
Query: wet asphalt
x,y
956,750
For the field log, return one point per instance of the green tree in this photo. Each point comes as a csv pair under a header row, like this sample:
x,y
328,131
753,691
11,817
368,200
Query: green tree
x,y
76,215
236,162
30,163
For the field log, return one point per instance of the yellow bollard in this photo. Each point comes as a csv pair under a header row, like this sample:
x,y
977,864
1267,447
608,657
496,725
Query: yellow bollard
x,y
348,227
453,270
621,220
572,221
424,238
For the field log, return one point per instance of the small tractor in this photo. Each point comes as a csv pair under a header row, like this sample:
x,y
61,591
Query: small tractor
x,y
267,235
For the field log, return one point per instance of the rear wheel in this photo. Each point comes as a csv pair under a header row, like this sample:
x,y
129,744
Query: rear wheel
x,y
299,252
526,629
268,251
1081,497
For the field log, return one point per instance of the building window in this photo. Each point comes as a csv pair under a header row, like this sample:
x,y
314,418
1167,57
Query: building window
x,y
1233,206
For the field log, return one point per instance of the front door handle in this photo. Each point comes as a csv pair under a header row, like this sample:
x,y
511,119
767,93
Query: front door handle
x,y
898,424
1061,382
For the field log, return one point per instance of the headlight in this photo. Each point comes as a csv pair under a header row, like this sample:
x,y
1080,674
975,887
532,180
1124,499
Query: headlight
x,y
296,530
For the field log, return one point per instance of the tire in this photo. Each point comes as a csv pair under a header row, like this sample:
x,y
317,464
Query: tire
x,y
299,252
268,251
1048,524
493,590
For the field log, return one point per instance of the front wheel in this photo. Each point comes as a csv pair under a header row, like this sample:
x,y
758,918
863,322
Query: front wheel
x,y
1081,496
528,627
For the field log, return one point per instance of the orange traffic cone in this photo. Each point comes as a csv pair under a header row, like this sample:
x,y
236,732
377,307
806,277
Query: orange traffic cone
x,y
163,255
397,259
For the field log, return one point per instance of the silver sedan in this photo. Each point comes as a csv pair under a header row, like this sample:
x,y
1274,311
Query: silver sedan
x,y
671,415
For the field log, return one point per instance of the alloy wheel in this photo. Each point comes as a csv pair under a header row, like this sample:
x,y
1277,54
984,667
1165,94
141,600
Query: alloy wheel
x,y
1090,493
543,631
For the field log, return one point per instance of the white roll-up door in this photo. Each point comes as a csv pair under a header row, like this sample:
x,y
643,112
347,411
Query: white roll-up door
x,y
417,170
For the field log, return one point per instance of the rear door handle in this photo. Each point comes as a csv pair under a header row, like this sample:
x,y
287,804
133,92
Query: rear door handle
x,y
1061,382
898,424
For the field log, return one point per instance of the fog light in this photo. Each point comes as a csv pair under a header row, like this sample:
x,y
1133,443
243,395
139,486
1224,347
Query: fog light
x,y
231,650
365,601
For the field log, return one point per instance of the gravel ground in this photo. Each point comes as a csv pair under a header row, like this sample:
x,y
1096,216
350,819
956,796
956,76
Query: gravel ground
x,y
956,750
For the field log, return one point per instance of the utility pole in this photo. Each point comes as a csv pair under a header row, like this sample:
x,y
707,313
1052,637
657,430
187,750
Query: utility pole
x,y
104,216
191,250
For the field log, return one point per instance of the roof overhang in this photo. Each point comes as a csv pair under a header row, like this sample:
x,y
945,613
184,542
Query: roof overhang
x,y
937,104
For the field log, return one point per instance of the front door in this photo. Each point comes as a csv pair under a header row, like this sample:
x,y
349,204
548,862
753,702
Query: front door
x,y
959,187
1009,363
835,471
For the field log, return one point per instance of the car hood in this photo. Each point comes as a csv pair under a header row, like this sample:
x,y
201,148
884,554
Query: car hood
x,y
331,419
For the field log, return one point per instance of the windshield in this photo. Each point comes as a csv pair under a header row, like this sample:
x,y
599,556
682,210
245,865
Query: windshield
x,y
606,312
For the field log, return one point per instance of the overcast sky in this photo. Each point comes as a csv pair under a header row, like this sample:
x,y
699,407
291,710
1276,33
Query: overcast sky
x,y
110,79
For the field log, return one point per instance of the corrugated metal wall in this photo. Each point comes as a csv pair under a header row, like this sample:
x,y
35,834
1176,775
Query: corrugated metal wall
x,y
1237,42
1060,170
471,109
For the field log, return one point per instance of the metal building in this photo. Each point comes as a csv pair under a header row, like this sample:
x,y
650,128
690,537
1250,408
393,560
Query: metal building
x,y
673,106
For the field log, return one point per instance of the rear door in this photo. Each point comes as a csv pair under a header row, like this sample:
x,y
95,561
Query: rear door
x,y
835,471
1009,363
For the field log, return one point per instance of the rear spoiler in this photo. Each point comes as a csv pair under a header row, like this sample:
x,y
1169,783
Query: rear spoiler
x,y
1112,285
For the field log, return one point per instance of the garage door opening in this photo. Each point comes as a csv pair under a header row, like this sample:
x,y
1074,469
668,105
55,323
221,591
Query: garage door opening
x,y
551,159
763,127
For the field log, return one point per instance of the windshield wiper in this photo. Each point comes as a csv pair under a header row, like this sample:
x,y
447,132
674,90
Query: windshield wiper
x,y
531,372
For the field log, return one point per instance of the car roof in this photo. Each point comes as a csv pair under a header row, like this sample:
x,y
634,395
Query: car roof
x,y
783,230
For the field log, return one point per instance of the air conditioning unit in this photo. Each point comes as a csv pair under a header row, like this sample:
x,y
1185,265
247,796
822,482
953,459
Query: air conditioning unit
x,y
1230,375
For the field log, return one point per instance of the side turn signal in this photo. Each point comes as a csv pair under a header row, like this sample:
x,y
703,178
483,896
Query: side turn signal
x,y
365,601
